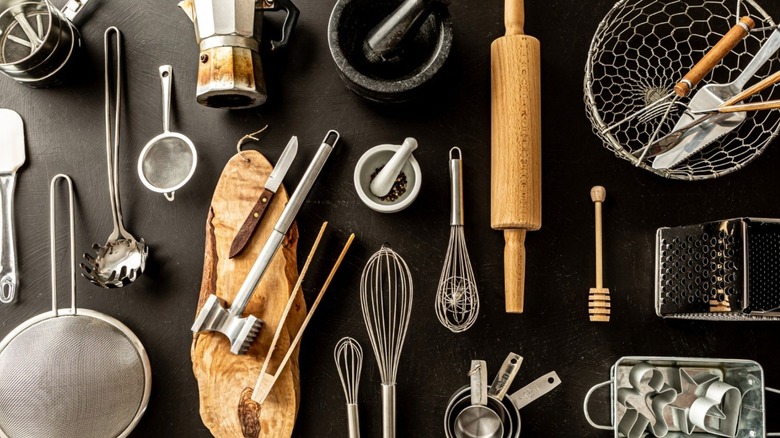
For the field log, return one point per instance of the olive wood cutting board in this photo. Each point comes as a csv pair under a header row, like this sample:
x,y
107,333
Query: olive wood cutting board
x,y
225,380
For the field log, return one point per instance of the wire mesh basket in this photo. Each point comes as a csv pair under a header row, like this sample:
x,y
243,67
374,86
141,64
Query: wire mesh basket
x,y
642,48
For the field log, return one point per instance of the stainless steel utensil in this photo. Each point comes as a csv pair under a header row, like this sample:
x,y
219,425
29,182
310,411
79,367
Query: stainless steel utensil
x,y
123,258
169,160
506,375
11,160
386,293
240,330
71,372
348,355
457,297
272,184
511,405
719,271
37,40
478,420
711,96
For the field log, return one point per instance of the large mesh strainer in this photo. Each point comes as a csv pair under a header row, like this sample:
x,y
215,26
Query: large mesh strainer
x,y
642,48
71,372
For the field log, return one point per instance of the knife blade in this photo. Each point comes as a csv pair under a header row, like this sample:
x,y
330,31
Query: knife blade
x,y
676,150
271,186
11,159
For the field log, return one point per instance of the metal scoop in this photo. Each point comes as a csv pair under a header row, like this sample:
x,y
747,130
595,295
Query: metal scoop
x,y
478,420
123,258
679,146
168,161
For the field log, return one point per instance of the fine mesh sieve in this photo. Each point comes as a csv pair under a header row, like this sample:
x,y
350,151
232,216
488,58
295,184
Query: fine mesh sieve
x,y
168,161
642,48
71,372
719,270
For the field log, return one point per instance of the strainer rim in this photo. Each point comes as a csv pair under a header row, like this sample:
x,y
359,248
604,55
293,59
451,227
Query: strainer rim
x,y
148,147
115,323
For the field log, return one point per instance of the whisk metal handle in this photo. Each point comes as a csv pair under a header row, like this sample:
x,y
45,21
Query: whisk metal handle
x,y
353,421
456,186
388,411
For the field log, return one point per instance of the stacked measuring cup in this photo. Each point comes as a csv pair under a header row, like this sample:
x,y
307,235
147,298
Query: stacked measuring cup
x,y
479,411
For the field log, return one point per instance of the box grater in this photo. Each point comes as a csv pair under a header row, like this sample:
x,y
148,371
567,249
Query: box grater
x,y
725,270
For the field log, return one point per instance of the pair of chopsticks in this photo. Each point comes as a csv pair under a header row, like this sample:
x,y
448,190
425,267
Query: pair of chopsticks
x,y
266,380
731,106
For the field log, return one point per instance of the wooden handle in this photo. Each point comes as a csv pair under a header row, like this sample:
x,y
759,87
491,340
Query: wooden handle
x,y
598,194
757,106
250,224
714,56
514,17
755,89
514,270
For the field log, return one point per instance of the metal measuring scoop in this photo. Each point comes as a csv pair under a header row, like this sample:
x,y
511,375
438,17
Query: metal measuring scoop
x,y
168,161
120,261
478,420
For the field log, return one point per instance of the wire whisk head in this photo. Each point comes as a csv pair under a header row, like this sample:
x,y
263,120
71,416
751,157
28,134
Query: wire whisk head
x,y
348,355
457,298
386,293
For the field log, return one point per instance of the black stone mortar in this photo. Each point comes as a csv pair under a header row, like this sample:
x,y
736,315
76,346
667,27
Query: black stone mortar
x,y
422,56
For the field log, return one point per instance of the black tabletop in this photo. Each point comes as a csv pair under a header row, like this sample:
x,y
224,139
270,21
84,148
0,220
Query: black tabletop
x,y
65,134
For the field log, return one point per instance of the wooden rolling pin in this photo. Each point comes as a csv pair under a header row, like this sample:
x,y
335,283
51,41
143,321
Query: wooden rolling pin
x,y
516,176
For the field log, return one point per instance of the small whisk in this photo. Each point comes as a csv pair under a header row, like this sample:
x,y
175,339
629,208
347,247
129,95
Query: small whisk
x,y
349,361
457,299
386,293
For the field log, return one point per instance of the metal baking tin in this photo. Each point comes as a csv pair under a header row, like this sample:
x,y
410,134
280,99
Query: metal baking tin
x,y
745,375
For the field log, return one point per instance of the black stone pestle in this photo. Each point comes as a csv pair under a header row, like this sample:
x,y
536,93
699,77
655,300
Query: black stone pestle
x,y
386,38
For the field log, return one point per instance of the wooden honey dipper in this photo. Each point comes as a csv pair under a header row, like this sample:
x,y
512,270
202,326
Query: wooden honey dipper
x,y
598,299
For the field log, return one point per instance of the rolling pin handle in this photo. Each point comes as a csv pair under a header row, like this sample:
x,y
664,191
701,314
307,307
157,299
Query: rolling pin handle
x,y
514,269
514,17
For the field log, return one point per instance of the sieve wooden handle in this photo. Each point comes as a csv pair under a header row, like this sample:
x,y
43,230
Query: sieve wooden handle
x,y
714,56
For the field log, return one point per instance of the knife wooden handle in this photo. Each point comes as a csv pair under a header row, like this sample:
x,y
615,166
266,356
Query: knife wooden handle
x,y
250,224
714,56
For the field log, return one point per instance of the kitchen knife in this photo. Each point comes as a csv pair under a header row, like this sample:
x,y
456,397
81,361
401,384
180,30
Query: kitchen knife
x,y
11,159
271,186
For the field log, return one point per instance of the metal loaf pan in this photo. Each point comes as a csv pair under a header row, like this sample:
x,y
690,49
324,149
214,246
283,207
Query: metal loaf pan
x,y
745,375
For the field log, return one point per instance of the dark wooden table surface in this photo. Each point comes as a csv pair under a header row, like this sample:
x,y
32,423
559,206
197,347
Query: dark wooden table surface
x,y
64,133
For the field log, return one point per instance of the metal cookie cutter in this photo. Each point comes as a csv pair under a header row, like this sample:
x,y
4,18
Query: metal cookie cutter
x,y
744,375
645,401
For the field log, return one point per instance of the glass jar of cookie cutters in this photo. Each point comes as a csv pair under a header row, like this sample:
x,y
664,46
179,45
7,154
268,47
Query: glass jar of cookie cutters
x,y
37,40
719,271
684,397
